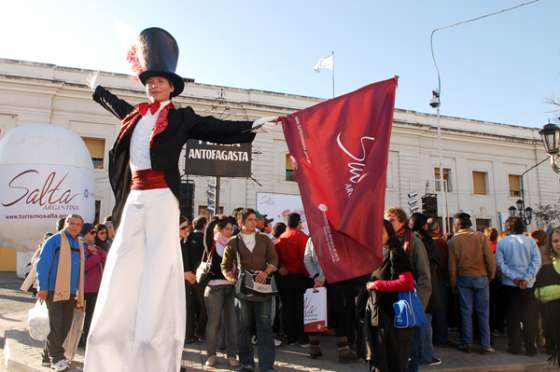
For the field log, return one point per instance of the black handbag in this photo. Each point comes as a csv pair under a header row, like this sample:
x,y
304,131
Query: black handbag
x,y
246,286
204,271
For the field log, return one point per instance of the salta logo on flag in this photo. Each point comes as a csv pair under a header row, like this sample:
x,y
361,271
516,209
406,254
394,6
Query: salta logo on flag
x,y
341,148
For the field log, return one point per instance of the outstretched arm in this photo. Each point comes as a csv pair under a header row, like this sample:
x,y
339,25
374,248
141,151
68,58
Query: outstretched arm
x,y
109,101
209,128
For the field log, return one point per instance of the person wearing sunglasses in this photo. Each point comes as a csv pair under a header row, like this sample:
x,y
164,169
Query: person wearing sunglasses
x,y
95,260
102,237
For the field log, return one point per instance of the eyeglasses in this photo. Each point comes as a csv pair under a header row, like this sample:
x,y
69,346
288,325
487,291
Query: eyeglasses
x,y
102,232
184,227
92,232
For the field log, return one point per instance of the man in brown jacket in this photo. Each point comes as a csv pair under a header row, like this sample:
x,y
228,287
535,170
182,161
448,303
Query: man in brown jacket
x,y
255,252
471,266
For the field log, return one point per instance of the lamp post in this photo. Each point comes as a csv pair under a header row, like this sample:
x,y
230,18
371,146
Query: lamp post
x,y
550,135
525,213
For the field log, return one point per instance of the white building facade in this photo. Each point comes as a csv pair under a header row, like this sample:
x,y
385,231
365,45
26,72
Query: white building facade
x,y
482,161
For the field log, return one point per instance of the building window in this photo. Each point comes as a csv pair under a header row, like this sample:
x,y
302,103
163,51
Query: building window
x,y
514,185
482,223
479,182
290,168
96,148
446,179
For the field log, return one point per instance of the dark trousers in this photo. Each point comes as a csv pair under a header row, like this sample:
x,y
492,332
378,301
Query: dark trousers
x,y
292,288
196,311
344,296
521,308
439,316
91,299
61,314
497,308
388,347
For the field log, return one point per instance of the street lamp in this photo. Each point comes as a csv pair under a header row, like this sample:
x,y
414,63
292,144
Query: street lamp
x,y
525,213
550,135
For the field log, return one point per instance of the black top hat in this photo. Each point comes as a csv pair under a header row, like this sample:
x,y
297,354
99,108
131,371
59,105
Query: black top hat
x,y
158,54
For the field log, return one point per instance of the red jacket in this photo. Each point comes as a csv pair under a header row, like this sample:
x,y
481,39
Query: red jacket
x,y
290,248
404,283
94,270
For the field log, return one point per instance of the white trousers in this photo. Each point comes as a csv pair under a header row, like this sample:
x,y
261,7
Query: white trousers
x,y
139,320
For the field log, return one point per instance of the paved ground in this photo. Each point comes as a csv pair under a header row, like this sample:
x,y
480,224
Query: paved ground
x,y
25,352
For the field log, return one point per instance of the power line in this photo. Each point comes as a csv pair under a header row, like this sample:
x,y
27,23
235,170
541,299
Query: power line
x,y
465,22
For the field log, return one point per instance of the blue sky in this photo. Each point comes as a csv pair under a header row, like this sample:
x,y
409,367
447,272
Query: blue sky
x,y
500,69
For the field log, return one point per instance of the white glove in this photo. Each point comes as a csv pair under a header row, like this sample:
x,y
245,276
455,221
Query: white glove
x,y
91,80
264,124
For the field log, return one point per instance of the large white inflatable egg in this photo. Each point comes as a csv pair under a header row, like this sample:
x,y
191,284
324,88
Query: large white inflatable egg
x,y
46,173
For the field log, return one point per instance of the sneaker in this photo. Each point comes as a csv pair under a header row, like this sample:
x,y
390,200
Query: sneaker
x,y
233,362
434,362
254,340
277,342
211,362
46,362
304,344
487,350
62,365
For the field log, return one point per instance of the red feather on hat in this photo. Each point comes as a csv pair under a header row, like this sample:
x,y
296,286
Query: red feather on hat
x,y
133,58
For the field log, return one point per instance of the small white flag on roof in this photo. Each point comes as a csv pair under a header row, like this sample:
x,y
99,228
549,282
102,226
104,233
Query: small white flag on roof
x,y
325,63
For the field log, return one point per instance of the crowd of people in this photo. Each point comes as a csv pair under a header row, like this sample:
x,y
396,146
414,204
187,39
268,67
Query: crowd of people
x,y
480,283
66,263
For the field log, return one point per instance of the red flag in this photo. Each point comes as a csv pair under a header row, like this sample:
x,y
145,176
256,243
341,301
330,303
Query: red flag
x,y
340,148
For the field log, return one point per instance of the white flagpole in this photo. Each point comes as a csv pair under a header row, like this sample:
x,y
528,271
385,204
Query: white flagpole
x,y
332,53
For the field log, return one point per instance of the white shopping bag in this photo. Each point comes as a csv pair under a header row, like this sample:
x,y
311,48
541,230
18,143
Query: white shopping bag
x,y
315,310
38,321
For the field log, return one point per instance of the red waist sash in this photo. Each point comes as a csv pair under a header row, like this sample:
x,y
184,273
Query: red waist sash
x,y
147,179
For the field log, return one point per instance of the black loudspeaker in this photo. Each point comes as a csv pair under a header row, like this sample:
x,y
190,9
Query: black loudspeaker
x,y
429,205
186,199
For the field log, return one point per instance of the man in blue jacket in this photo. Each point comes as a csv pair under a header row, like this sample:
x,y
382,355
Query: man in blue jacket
x,y
60,283
519,260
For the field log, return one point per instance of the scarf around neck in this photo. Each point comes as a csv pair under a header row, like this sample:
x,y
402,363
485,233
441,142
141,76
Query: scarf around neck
x,y
64,272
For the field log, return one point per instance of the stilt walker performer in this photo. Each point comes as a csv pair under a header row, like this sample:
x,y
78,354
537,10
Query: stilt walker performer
x,y
139,319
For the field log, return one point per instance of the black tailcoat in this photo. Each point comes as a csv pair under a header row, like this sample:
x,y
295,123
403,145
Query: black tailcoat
x,y
165,148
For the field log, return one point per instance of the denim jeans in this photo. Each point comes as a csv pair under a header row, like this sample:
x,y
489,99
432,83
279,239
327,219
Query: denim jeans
x,y
422,351
220,300
259,313
415,351
426,347
474,291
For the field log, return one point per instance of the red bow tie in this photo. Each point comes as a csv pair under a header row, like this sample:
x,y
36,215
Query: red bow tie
x,y
144,107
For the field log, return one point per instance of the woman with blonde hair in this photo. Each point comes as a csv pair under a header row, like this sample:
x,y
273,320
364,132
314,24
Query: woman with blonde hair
x,y
547,292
